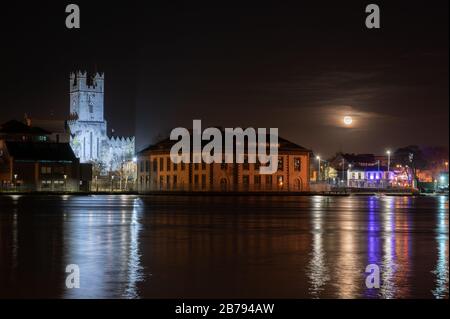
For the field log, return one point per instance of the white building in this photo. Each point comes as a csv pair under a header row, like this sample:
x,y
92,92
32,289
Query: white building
x,y
88,127
369,177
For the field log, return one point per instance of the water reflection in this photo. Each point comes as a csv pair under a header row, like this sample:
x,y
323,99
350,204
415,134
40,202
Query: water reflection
x,y
441,270
374,253
106,247
223,247
347,265
389,266
317,269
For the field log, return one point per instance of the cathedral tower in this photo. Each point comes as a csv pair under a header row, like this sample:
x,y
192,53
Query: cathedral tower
x,y
86,96
88,128
87,124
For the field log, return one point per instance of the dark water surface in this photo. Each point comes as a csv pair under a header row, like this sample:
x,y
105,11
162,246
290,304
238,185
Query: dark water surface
x,y
230,247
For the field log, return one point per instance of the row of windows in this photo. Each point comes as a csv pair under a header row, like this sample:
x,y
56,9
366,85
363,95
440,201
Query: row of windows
x,y
145,165
49,170
257,179
361,176
47,183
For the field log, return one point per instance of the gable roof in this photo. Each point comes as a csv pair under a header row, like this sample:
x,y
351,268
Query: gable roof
x,y
41,151
166,145
16,127
50,125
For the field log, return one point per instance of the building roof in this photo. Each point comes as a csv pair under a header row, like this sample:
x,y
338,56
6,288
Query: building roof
x,y
359,158
16,127
371,168
50,125
41,151
166,144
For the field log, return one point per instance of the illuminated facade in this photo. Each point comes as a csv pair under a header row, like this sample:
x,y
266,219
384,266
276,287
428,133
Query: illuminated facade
x,y
88,128
156,172
369,177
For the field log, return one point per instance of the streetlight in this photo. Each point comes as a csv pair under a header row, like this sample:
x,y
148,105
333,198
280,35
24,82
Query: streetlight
x,y
348,174
318,174
15,181
112,183
65,182
388,152
96,183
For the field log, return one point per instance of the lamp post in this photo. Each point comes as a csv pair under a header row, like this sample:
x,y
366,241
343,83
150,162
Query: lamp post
x,y
15,181
96,183
121,175
132,171
388,152
65,182
318,173
348,175
112,183
378,175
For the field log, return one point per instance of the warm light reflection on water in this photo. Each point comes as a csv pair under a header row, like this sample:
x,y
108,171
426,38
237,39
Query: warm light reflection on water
x,y
274,247
441,270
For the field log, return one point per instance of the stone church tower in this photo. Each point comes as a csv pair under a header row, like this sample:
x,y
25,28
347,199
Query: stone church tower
x,y
88,128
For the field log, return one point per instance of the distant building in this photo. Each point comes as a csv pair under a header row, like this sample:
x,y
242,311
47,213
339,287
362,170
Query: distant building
x,y
41,166
57,129
156,172
369,176
31,161
17,131
88,128
343,160
365,171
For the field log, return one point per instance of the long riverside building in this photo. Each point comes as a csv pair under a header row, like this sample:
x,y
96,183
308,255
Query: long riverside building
x,y
156,172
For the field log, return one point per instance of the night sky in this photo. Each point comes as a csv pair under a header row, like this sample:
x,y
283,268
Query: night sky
x,y
299,67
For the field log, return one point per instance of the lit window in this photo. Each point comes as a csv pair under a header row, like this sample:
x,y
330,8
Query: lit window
x,y
297,164
203,180
280,180
280,164
245,166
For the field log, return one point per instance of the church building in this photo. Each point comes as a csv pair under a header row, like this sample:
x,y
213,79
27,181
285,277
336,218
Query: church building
x,y
88,128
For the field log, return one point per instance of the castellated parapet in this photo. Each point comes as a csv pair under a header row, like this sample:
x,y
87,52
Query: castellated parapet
x,y
80,81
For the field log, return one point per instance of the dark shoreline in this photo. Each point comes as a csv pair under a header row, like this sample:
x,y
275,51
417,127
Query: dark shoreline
x,y
212,193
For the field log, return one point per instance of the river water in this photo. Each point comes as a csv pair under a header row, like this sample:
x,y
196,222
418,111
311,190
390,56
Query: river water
x,y
223,246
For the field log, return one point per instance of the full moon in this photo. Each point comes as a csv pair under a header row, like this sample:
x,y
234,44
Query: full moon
x,y
348,120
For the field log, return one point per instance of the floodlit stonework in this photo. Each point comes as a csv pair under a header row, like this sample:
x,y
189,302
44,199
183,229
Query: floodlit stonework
x,y
88,127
